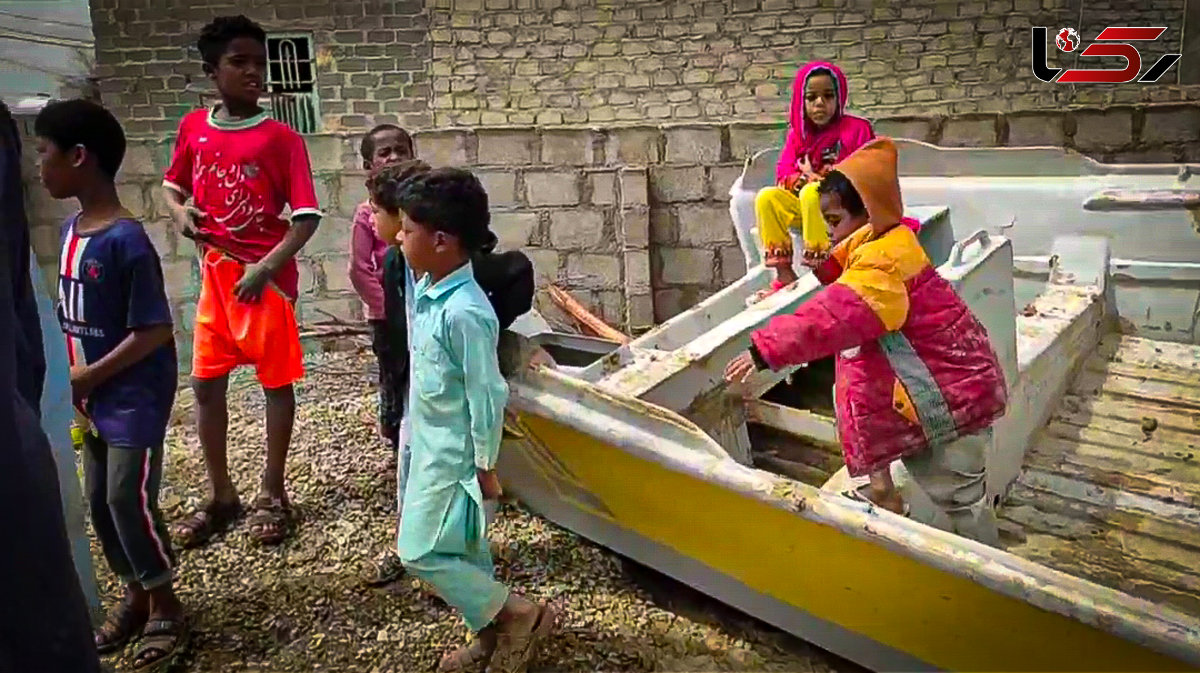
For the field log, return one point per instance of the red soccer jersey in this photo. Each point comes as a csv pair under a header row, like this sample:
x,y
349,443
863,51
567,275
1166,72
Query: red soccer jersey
x,y
242,176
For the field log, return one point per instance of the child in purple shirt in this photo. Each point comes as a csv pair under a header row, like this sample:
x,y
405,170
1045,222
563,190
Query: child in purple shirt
x,y
386,144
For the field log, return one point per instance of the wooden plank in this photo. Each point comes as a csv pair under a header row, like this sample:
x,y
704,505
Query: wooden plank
x,y
1170,447
791,469
1110,469
1092,382
584,317
1161,586
792,421
1078,408
1091,516
764,439
1156,372
1146,352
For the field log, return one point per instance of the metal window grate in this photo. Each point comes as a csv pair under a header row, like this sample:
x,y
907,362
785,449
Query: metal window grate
x,y
291,82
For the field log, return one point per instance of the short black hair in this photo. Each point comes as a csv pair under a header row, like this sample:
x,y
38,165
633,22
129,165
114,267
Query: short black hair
x,y
387,183
367,147
836,182
216,36
81,122
450,200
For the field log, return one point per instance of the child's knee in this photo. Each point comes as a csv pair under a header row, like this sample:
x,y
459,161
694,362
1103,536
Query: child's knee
x,y
124,503
285,394
767,197
209,391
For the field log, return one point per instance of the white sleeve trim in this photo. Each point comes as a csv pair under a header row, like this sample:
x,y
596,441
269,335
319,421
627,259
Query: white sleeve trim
x,y
175,188
301,212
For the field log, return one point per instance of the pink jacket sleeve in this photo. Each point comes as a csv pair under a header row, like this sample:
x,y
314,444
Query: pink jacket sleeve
x,y
363,275
787,157
835,319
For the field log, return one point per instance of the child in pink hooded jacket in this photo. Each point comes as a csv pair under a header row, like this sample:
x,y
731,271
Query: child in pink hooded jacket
x,y
819,135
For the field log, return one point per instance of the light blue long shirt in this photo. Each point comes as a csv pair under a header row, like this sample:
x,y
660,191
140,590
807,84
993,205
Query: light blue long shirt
x,y
456,414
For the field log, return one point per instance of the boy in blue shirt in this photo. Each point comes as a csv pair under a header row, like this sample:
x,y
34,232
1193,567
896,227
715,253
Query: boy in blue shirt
x,y
114,312
457,397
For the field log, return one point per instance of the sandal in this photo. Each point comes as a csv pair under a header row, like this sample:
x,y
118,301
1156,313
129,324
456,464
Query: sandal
x,y
857,494
204,524
385,569
119,628
513,651
162,641
473,656
270,521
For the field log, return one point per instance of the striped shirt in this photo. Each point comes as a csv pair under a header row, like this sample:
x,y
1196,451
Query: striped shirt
x,y
110,284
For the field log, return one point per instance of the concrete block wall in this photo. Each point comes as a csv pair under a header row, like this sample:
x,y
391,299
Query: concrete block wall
x,y
584,220
592,61
371,58
485,63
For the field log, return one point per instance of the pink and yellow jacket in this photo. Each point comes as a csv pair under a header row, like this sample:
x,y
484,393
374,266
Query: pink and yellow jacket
x,y
914,366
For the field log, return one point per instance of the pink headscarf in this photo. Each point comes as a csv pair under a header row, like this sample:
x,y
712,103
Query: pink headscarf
x,y
823,146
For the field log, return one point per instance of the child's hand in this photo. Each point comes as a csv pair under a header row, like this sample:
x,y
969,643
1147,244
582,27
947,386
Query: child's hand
x,y
793,182
489,484
187,218
806,170
740,368
250,287
81,384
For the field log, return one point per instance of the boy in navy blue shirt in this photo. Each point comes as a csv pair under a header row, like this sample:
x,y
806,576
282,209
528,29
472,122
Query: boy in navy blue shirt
x,y
114,313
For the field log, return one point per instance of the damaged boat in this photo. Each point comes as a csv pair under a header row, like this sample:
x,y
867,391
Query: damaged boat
x,y
1085,276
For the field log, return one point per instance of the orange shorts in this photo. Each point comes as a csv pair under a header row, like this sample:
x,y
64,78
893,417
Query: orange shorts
x,y
230,332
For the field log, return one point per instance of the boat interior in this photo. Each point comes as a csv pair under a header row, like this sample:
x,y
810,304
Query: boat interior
x,y
1095,471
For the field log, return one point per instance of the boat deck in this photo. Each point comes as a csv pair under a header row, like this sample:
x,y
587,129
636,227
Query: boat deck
x,y
1110,489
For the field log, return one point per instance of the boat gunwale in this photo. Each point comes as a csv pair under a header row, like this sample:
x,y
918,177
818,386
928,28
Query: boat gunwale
x,y
554,395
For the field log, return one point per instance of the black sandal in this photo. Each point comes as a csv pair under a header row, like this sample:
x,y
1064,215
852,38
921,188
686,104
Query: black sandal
x,y
121,625
382,571
162,641
204,524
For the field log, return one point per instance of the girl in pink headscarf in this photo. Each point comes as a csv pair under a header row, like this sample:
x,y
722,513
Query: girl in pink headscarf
x,y
819,135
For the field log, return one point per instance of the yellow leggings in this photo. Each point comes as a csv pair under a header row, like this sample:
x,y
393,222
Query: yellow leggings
x,y
779,211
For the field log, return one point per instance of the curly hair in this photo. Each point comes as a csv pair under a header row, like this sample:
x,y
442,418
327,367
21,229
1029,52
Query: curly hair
x,y
450,200
386,184
216,36
71,123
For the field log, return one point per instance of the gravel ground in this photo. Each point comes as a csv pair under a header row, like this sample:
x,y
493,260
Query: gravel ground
x,y
302,607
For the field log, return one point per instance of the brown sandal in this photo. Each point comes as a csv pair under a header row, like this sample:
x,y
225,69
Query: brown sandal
x,y
473,656
206,523
513,651
270,521
162,641
121,625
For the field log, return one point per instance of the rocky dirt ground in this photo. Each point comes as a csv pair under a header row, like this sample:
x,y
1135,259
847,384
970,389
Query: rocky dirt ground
x,y
302,607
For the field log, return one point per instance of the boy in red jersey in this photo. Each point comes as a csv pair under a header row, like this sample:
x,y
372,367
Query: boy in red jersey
x,y
242,169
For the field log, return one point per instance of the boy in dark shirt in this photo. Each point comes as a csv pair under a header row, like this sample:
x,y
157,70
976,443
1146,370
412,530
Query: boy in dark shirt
x,y
114,311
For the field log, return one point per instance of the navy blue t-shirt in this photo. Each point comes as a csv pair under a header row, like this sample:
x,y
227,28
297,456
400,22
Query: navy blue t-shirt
x,y
110,284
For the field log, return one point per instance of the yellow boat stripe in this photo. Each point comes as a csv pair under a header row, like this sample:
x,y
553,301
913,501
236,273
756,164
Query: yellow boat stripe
x,y
935,616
